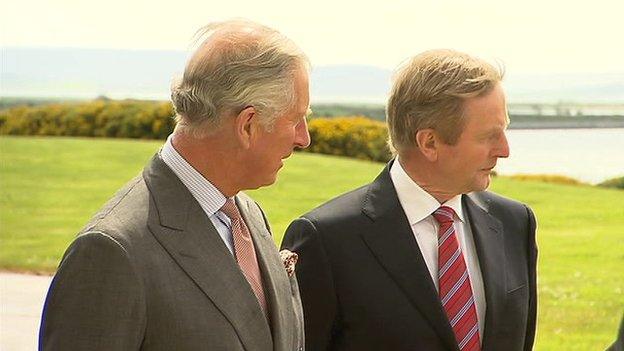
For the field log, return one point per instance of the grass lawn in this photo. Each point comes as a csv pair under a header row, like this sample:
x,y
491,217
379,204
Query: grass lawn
x,y
49,187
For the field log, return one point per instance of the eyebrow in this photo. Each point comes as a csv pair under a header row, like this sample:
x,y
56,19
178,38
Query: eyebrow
x,y
492,131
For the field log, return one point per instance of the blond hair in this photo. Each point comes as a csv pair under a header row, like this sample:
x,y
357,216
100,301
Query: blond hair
x,y
236,65
428,92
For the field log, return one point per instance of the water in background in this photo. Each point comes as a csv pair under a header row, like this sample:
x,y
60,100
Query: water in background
x,y
589,155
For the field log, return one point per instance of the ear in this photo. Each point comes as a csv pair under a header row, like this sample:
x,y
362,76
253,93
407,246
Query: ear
x,y
243,125
428,141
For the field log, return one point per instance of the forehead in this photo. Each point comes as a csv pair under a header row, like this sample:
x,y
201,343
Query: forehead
x,y
302,91
487,110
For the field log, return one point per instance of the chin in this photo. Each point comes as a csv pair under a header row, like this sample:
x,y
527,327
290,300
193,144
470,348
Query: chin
x,y
259,183
485,183
481,184
269,180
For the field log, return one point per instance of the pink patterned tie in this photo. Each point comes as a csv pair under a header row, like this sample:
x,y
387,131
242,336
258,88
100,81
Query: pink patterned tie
x,y
245,252
454,282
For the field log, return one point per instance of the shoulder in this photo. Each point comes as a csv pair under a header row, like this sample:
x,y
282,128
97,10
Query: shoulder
x,y
341,208
123,216
338,219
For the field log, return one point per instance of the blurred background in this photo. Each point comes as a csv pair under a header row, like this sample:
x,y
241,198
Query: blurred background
x,y
84,90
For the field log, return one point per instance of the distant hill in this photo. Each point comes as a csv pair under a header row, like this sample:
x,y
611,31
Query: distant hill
x,y
87,73
147,74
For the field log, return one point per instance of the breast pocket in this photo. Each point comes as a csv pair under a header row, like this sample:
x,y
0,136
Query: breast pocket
x,y
516,289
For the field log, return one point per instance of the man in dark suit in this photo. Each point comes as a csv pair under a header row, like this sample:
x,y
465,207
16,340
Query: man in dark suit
x,y
423,258
180,258
618,344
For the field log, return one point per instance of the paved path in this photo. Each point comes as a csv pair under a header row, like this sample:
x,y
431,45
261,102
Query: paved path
x,y
21,302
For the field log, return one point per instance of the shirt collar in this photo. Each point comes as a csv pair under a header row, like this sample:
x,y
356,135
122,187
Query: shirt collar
x,y
209,197
416,202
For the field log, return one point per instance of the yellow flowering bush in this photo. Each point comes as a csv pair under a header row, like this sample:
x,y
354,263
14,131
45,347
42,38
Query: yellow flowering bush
x,y
354,136
117,119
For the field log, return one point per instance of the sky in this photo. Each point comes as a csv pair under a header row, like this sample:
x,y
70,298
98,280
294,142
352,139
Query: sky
x,y
528,37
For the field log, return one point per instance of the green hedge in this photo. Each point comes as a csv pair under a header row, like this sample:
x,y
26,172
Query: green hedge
x,y
617,183
113,119
357,137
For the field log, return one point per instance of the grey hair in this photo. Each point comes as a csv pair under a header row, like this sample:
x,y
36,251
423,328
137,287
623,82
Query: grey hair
x,y
237,64
429,91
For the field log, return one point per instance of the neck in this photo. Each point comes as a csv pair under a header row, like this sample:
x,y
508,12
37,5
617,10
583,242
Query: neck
x,y
213,157
423,173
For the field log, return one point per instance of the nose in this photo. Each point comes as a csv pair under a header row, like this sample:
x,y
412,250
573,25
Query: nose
x,y
502,150
302,137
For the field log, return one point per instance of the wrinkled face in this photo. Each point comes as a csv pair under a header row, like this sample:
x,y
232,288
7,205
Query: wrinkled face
x,y
466,166
290,130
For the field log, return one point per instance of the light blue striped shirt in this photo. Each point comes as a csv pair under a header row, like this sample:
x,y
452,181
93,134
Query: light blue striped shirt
x,y
209,197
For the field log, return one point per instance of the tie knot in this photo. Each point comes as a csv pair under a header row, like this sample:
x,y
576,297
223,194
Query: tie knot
x,y
444,214
230,209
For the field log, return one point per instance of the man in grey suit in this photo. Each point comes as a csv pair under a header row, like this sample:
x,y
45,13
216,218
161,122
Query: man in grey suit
x,y
180,259
423,258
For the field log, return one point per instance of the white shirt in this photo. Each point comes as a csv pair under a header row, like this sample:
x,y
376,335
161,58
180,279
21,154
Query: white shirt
x,y
209,197
419,206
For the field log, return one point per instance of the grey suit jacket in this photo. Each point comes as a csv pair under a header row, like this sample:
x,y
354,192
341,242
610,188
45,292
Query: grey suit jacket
x,y
365,284
150,272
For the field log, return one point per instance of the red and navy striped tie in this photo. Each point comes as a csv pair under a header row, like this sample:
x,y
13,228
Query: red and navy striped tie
x,y
454,284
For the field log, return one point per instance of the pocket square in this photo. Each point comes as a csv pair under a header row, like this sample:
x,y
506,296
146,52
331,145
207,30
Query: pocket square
x,y
289,259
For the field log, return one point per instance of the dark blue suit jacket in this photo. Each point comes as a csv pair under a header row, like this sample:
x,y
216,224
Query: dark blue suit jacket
x,y
365,285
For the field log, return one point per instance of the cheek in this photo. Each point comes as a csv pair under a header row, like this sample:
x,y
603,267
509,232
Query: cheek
x,y
287,139
480,154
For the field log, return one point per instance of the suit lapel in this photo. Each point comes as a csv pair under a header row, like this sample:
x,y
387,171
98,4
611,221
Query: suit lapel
x,y
187,234
392,241
276,283
488,236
